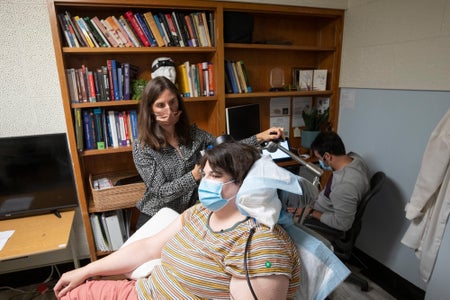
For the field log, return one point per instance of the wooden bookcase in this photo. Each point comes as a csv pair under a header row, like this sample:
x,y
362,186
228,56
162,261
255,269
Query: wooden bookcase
x,y
314,36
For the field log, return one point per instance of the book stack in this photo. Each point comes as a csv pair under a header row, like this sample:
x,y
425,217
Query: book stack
x,y
99,129
196,79
111,229
110,82
139,29
236,78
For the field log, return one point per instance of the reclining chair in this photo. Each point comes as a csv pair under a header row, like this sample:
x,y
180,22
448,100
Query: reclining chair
x,y
343,243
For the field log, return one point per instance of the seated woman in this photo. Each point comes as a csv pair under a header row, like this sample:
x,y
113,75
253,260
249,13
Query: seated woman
x,y
207,252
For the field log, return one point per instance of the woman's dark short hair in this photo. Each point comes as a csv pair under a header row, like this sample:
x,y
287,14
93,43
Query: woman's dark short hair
x,y
233,158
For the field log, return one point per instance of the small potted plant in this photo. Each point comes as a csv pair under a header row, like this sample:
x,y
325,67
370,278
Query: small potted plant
x,y
314,122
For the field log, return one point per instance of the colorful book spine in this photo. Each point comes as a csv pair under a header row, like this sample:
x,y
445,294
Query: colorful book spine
x,y
130,17
148,16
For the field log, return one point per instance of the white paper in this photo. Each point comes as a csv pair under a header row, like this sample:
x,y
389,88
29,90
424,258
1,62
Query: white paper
x,y
280,106
300,104
280,122
4,237
320,80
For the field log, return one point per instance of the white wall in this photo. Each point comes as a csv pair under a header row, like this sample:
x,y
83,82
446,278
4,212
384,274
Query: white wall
x,y
395,83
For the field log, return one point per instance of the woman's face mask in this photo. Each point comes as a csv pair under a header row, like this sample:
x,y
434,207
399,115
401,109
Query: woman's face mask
x,y
210,194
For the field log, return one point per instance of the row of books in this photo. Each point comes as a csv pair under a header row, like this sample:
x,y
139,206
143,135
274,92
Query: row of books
x,y
97,128
236,79
135,29
111,82
111,229
196,79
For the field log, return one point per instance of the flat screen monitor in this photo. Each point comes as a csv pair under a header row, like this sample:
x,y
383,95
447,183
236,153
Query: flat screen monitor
x,y
279,155
36,175
243,121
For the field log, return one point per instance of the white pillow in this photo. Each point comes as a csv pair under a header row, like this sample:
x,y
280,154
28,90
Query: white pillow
x,y
158,222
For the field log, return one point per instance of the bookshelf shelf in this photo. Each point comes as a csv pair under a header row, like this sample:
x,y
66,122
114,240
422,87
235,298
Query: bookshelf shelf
x,y
140,50
283,36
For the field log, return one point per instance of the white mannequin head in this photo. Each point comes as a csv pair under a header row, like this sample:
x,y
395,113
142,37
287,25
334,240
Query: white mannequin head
x,y
164,66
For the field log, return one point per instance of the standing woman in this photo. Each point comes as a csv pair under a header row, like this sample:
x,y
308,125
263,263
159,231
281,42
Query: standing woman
x,y
167,151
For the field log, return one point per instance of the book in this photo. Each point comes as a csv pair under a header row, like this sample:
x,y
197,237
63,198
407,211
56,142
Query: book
x,y
96,34
84,31
72,85
122,33
111,121
177,29
141,35
105,83
320,80
162,30
191,30
231,76
120,81
205,24
133,124
123,129
167,31
116,29
76,29
103,33
148,16
101,243
236,79
78,120
181,23
211,79
211,28
82,83
112,74
182,76
113,34
143,24
70,42
92,88
245,75
115,233
130,32
98,128
88,130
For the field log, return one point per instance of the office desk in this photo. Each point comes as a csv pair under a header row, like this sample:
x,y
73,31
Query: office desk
x,y
38,234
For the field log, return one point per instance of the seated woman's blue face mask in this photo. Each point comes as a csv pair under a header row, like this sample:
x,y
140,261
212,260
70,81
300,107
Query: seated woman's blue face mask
x,y
210,191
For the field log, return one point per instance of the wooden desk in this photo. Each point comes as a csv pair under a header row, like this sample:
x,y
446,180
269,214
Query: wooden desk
x,y
37,234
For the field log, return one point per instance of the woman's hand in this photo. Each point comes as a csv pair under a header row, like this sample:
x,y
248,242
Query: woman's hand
x,y
272,133
196,173
69,281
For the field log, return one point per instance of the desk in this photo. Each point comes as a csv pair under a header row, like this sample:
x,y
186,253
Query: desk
x,y
38,234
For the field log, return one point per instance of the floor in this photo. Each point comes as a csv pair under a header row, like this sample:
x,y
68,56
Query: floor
x,y
345,291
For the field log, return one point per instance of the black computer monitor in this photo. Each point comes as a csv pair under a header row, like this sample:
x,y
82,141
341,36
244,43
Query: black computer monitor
x,y
36,175
243,121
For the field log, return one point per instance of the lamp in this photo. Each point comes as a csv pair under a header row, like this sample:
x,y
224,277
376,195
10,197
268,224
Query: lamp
x,y
273,146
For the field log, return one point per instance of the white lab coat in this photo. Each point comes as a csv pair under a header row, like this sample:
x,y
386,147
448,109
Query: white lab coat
x,y
429,206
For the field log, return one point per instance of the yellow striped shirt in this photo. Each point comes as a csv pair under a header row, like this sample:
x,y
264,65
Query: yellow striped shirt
x,y
199,263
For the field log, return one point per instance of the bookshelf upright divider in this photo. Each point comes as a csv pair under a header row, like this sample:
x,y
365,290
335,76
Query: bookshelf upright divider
x,y
283,36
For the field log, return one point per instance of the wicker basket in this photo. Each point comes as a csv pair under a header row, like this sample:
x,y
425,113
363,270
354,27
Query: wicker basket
x,y
116,197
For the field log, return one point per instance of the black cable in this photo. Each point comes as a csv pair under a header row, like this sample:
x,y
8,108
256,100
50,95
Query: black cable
x,y
252,231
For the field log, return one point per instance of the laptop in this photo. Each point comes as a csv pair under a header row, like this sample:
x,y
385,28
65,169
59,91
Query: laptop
x,y
279,155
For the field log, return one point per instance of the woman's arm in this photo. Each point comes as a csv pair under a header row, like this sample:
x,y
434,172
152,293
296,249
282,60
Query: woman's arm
x,y
265,287
124,260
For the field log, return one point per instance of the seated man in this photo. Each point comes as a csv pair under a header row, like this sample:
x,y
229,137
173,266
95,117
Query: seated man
x,y
213,250
337,203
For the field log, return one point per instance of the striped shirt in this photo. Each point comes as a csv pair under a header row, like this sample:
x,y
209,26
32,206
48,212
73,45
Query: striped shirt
x,y
198,263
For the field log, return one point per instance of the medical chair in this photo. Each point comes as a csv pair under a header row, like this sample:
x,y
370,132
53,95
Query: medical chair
x,y
344,243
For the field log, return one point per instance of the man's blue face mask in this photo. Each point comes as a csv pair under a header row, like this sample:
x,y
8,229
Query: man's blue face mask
x,y
325,167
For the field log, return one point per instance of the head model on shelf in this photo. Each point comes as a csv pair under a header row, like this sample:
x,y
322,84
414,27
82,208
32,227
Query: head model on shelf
x,y
164,66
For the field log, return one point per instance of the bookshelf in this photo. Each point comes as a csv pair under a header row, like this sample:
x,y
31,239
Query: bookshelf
x,y
313,36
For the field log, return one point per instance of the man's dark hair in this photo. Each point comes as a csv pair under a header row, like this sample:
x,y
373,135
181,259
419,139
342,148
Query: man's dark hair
x,y
328,141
